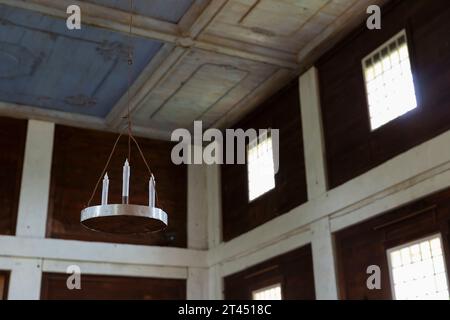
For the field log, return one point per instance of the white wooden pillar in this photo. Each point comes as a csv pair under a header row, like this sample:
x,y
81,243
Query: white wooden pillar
x,y
197,284
215,284
197,206
323,260
313,141
26,274
316,178
34,192
25,280
214,198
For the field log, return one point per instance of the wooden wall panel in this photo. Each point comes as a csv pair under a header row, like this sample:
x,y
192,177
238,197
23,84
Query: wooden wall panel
x,y
351,147
281,112
365,244
4,277
94,287
12,145
78,159
294,270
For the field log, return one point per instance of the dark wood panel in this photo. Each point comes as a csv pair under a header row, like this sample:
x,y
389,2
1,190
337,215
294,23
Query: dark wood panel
x,y
78,159
351,147
281,112
12,143
95,287
4,277
294,270
365,244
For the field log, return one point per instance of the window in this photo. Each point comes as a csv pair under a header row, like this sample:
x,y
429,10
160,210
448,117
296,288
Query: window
x,y
268,293
389,81
418,270
260,166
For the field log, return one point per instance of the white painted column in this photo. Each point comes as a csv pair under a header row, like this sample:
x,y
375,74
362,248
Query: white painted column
x,y
214,198
34,192
313,141
215,283
323,260
197,284
25,280
197,215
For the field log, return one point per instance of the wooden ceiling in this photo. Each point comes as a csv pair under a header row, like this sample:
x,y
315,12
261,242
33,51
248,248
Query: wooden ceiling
x,y
217,59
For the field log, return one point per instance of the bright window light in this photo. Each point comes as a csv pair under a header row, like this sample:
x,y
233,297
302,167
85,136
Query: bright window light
x,y
260,166
389,81
269,293
418,270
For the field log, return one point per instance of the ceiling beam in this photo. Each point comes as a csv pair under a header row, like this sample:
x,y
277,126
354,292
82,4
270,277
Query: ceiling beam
x,y
118,20
14,110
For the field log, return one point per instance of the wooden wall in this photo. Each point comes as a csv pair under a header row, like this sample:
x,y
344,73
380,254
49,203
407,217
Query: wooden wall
x,y
294,270
12,145
365,244
4,285
95,287
351,147
78,159
281,112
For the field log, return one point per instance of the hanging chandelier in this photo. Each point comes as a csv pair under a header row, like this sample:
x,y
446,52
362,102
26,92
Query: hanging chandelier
x,y
125,218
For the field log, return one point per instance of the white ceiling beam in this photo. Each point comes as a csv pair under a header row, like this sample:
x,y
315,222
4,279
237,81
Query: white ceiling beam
x,y
19,111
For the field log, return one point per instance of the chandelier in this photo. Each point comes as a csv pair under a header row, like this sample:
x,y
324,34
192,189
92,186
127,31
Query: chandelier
x,y
125,218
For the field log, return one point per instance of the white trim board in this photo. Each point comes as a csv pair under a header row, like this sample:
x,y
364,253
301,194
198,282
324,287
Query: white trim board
x,y
100,252
116,269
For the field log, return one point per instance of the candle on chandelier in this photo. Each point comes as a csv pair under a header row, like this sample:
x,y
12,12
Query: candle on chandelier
x,y
126,182
105,190
151,192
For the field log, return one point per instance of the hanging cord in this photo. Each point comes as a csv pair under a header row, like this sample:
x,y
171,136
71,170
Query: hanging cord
x,y
128,123
104,169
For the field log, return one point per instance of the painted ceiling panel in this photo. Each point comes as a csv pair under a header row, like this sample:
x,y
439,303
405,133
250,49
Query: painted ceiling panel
x,y
201,92
287,25
166,10
204,86
43,64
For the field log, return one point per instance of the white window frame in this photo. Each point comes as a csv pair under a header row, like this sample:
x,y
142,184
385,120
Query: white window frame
x,y
409,244
276,285
255,143
369,56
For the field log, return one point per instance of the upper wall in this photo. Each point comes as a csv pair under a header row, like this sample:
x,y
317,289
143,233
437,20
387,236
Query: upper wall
x,y
351,147
365,244
292,270
282,112
12,143
79,157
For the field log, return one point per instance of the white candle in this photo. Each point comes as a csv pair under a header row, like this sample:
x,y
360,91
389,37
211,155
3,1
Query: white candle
x,y
105,190
151,192
126,182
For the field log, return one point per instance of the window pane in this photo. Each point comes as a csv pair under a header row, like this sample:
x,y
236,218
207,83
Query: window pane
x,y
418,271
269,293
389,82
260,167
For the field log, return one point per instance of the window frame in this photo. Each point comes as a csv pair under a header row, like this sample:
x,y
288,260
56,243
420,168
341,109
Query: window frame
x,y
409,244
404,31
